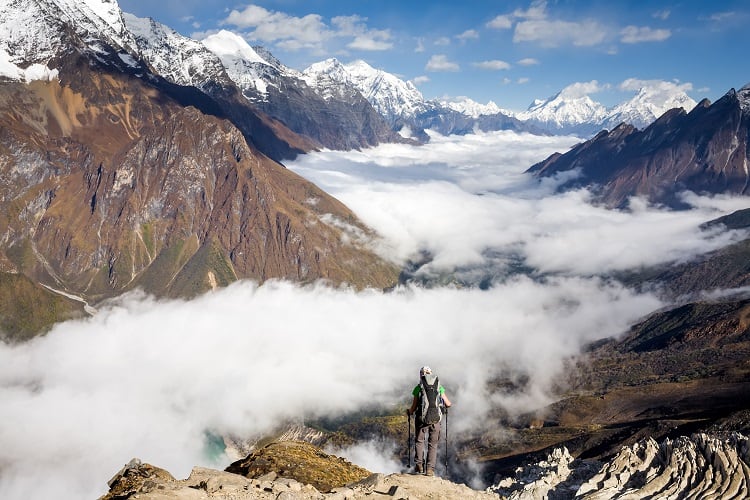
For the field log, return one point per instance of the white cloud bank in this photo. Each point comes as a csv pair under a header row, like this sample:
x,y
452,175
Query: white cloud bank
x,y
426,198
148,379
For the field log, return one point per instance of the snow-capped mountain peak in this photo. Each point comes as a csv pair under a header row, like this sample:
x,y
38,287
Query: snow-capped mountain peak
x,y
572,110
94,21
232,47
328,69
652,99
243,63
564,112
472,108
177,58
744,96
391,96
106,10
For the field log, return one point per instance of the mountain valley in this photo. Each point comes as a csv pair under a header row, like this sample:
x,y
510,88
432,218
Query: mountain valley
x,y
172,281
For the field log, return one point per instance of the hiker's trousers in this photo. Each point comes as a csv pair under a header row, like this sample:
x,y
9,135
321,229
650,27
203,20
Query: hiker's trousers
x,y
432,434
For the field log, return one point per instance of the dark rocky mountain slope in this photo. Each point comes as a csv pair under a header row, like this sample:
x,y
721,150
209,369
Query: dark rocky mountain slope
x,y
109,183
704,151
270,103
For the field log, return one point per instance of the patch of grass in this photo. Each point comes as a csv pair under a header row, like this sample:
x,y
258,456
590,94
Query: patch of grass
x,y
147,233
28,309
157,278
193,279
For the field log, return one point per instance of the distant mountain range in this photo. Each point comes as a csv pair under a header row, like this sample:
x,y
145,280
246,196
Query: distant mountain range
x,y
704,151
330,104
572,112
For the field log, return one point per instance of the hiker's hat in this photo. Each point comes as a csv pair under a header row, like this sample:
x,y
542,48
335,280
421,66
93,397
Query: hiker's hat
x,y
425,370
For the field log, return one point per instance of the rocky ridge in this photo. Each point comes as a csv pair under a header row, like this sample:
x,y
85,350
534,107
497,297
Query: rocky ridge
x,y
341,120
282,470
704,151
258,93
698,466
401,103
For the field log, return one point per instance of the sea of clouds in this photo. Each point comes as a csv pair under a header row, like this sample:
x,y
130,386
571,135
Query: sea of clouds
x,y
152,378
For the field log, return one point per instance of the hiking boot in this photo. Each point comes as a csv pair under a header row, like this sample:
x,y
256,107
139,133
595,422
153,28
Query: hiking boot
x,y
418,469
430,471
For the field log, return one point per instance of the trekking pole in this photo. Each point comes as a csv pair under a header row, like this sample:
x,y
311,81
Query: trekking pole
x,y
445,409
408,443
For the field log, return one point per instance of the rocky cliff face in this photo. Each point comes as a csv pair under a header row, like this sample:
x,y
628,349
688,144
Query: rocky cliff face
x,y
244,82
705,151
110,184
112,177
699,466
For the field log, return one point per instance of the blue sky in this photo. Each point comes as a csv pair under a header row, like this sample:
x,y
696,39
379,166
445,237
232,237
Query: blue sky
x,y
511,52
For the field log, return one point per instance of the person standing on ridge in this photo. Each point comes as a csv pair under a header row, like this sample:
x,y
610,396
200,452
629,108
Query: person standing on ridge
x,y
428,400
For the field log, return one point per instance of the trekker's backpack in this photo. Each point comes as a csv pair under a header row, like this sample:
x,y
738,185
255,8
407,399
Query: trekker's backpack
x,y
430,400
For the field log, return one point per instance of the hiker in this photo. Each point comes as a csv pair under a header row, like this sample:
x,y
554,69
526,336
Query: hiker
x,y
427,422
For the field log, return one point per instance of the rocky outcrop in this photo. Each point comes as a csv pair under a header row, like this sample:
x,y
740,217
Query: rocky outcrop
x,y
300,461
705,151
144,481
558,477
699,466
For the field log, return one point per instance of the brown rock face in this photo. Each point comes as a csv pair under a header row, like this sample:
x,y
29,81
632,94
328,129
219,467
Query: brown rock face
x,y
107,184
705,151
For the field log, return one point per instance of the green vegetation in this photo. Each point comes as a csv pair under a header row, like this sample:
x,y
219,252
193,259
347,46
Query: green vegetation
x,y
158,276
27,309
193,279
147,233
22,255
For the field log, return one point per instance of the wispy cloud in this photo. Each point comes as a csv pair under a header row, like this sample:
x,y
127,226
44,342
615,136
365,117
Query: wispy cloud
x,y
528,61
419,80
309,32
440,62
501,23
582,89
535,25
554,33
719,17
468,35
640,34
494,65
443,41
420,45
635,84
364,37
